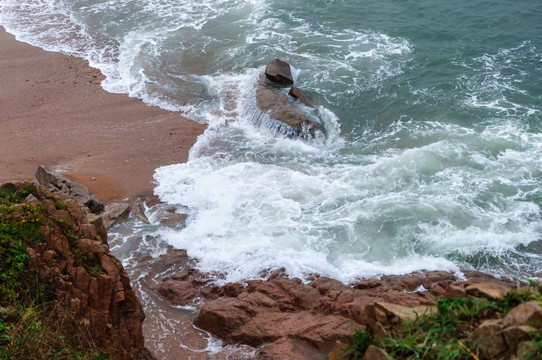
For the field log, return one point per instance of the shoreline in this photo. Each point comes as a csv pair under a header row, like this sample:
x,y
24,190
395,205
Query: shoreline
x,y
55,113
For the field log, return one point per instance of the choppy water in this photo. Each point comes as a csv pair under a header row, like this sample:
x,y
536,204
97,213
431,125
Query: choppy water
x,y
432,114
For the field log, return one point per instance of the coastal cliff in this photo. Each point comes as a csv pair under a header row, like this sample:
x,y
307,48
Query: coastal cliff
x,y
62,292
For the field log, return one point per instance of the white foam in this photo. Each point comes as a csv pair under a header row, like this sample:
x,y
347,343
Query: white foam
x,y
347,218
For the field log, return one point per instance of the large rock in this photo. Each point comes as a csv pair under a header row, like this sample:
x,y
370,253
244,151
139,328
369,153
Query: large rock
x,y
486,290
375,353
529,313
114,213
337,352
271,100
382,315
489,338
255,319
279,72
514,335
61,183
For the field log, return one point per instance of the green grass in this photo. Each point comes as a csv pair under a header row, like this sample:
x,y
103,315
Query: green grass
x,y
19,229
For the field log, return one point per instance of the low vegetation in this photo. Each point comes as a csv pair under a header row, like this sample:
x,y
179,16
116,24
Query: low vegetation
x,y
447,333
26,329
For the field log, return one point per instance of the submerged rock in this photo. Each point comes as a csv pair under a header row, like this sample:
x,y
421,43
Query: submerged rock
x,y
139,211
271,99
301,96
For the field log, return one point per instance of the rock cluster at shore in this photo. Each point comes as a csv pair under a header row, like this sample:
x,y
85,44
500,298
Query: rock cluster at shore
x,y
102,216
290,319
89,289
271,99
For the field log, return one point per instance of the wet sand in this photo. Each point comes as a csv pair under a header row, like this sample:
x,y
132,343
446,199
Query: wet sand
x,y
53,112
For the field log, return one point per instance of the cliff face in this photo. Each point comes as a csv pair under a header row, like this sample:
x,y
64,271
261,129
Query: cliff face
x,y
88,291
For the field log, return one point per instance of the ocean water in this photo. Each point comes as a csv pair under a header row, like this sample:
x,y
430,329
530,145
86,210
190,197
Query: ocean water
x,y
431,153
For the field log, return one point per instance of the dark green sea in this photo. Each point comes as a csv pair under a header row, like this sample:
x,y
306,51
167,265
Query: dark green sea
x,y
431,154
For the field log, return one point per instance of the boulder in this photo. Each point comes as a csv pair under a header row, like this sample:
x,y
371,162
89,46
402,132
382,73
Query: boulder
x,y
139,211
455,291
382,315
97,222
389,314
272,101
61,183
529,313
115,213
168,216
486,290
301,96
279,72
490,340
514,335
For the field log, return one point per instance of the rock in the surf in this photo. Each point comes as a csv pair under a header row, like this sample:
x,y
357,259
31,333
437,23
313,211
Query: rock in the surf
x,y
271,100
279,71
301,96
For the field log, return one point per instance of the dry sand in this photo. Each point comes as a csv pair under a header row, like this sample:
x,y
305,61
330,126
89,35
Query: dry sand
x,y
53,112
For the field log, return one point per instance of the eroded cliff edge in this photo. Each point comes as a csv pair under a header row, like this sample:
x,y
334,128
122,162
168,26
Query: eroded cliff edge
x,y
57,262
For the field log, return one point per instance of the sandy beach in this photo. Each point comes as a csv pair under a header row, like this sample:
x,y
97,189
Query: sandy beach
x,y
53,112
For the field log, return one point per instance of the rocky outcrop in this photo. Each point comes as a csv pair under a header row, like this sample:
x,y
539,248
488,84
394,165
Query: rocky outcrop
x,y
282,314
271,99
87,287
59,183
98,214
